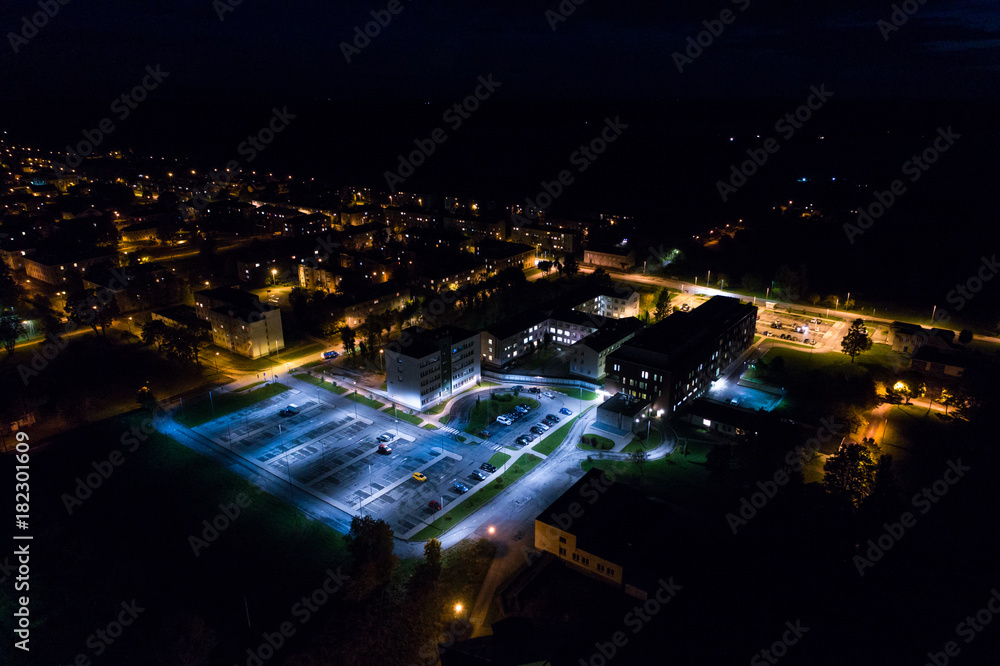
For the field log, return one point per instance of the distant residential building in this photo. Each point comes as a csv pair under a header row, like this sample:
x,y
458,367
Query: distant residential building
x,y
306,225
435,240
450,271
424,366
500,255
363,236
477,228
405,218
358,304
141,232
909,338
503,342
370,266
675,361
181,316
567,326
939,362
619,259
240,322
314,278
547,238
613,302
727,420
588,356
52,268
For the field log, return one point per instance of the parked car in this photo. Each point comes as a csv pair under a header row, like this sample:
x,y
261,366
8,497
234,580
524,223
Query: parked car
x,y
543,426
461,488
686,307
434,505
548,394
291,410
487,467
479,475
518,388
524,409
504,420
330,354
386,437
384,449
485,434
523,440
566,411
419,477
537,430
552,417
534,389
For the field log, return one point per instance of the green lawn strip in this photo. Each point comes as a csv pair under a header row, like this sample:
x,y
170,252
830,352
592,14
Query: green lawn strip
x,y
498,459
227,403
444,419
310,364
429,426
248,387
374,404
478,418
655,439
553,439
487,491
438,408
674,478
329,386
602,443
578,393
409,418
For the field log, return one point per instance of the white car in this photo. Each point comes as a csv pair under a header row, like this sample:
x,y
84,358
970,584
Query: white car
x,y
542,426
504,420
548,394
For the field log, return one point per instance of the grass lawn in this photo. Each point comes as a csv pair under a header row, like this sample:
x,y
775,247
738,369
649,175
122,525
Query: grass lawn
x,y
202,411
248,387
310,364
132,539
674,478
551,441
374,404
487,490
409,418
579,394
329,386
438,408
498,459
655,439
602,443
478,418
444,420
429,426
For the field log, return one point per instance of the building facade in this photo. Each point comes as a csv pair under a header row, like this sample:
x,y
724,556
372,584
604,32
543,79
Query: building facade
x,y
240,322
424,366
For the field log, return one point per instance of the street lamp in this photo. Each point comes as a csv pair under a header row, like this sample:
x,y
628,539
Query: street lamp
x,y
274,277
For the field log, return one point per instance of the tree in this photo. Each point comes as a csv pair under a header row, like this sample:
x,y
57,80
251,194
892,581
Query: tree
x,y
545,266
813,299
155,332
347,338
639,458
662,308
40,309
546,340
851,472
856,341
10,291
370,543
600,278
946,398
145,399
95,308
11,329
570,267
911,385
965,337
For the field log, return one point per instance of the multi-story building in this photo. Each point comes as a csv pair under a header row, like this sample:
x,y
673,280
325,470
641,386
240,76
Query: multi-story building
x,y
545,238
240,322
619,259
314,278
359,304
673,362
500,255
458,270
567,326
477,228
909,338
588,356
305,225
503,342
52,269
613,302
424,366
607,531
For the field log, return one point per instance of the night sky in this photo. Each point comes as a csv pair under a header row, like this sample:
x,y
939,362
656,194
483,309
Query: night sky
x,y
435,50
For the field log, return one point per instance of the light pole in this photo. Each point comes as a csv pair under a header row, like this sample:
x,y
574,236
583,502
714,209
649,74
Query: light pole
x,y
215,359
212,403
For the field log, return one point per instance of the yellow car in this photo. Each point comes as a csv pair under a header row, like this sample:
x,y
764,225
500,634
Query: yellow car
x,y
419,477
